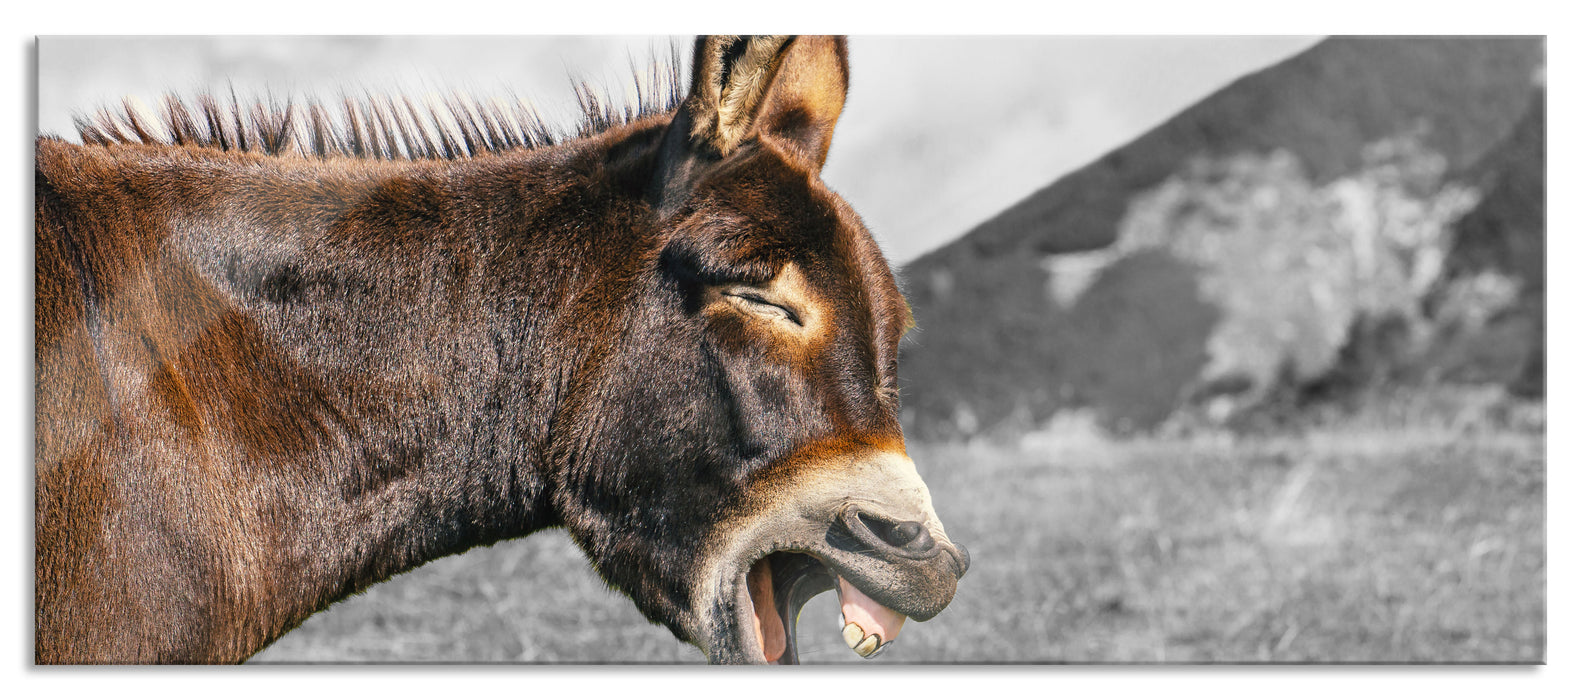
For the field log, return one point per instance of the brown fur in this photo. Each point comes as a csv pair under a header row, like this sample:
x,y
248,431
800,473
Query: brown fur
x,y
269,377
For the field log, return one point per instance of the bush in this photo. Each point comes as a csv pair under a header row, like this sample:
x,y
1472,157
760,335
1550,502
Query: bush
x,y
1296,266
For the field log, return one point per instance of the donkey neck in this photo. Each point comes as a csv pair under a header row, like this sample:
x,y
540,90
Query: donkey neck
x,y
407,332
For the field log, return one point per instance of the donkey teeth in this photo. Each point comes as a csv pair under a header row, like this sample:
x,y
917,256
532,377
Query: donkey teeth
x,y
852,633
868,646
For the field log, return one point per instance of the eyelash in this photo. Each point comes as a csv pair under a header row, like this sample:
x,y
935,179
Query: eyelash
x,y
756,300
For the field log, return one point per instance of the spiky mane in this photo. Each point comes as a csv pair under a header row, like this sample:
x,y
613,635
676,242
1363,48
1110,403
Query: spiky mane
x,y
379,127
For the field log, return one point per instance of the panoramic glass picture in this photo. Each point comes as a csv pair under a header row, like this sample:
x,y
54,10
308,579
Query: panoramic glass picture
x,y
789,349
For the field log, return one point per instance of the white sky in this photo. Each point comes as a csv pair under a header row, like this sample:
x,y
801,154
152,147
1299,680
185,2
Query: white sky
x,y
939,133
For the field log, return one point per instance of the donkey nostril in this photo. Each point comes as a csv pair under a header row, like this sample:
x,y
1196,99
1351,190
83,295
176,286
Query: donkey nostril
x,y
903,533
909,535
908,539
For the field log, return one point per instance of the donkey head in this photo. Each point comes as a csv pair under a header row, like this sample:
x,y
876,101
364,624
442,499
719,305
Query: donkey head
x,y
742,450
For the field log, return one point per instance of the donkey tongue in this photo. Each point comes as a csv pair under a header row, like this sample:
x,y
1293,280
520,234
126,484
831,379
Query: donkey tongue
x,y
864,618
770,628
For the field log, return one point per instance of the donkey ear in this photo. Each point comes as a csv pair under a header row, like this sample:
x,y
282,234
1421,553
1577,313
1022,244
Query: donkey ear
x,y
806,97
731,76
789,89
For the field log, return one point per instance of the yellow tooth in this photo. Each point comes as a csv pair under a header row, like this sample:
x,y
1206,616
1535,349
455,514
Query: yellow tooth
x,y
852,633
868,646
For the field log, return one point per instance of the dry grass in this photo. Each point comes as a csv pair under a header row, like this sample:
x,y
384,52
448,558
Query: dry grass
x,y
1411,532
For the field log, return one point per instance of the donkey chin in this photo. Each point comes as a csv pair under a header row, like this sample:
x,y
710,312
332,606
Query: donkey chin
x,y
863,526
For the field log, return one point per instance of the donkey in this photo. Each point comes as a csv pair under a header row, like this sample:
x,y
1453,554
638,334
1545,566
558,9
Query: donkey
x,y
274,369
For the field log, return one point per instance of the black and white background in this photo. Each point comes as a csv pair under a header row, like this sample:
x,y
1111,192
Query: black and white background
x,y
1243,379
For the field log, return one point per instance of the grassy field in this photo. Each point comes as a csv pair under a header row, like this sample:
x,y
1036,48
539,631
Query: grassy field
x,y
1409,531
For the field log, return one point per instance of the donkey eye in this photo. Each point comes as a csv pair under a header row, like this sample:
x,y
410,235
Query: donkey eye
x,y
763,305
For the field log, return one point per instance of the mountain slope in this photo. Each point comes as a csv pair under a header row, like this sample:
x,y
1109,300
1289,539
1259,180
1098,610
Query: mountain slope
x,y
1321,105
1003,341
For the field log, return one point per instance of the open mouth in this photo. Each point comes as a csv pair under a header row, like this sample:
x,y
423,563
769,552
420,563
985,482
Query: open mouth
x,y
778,585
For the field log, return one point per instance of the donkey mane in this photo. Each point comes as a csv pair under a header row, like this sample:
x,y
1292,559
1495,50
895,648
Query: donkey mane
x,y
380,127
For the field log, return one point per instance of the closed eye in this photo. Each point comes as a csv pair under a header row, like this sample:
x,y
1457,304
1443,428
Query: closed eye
x,y
759,304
